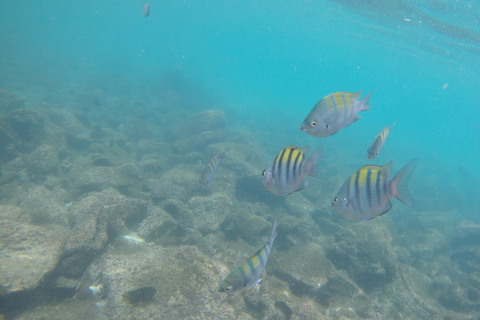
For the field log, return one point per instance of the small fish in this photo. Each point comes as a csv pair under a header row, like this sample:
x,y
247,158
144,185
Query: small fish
x,y
334,112
248,273
146,9
210,169
378,142
289,169
366,194
133,239
144,294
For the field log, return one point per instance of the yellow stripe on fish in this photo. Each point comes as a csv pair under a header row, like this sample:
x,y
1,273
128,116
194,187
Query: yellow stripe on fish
x,y
334,112
366,194
248,273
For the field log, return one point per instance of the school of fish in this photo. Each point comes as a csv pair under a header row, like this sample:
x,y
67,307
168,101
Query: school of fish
x,y
364,196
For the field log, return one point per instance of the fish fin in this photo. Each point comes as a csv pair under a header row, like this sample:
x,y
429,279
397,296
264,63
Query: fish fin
x,y
303,185
388,169
274,233
387,207
258,282
393,125
270,240
400,181
365,104
314,162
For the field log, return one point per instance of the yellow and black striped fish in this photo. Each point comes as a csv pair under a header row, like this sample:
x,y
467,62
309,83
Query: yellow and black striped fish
x,y
378,142
334,112
366,194
248,273
289,169
210,169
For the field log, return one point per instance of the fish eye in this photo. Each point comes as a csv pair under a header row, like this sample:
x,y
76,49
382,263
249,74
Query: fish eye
x,y
335,201
313,124
326,126
263,173
376,153
228,288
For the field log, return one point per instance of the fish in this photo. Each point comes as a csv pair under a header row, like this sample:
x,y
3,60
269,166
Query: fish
x,y
367,193
335,112
248,273
210,169
146,9
378,142
144,294
133,238
289,169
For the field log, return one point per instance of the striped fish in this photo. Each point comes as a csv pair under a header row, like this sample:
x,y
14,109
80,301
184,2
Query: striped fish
x,y
334,112
366,194
248,273
289,169
210,169
378,142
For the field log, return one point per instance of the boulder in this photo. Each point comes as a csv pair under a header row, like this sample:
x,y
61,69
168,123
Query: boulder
x,y
174,184
43,160
41,206
27,254
198,131
364,250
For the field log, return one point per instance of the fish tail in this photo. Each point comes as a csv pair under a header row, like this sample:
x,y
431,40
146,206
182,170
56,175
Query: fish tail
x,y
365,104
314,162
399,183
274,232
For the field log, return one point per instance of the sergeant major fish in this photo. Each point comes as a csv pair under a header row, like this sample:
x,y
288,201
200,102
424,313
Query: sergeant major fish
x,y
210,169
366,194
289,169
248,273
378,142
334,112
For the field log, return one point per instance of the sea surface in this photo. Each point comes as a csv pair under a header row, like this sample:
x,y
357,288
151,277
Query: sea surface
x,y
97,84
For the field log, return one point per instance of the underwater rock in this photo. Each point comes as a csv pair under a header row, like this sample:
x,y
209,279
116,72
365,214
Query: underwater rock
x,y
41,206
184,277
21,131
249,226
153,163
102,162
427,244
76,134
174,184
43,160
305,268
95,220
209,212
364,250
298,205
157,224
198,131
126,175
10,212
28,254
95,179
179,211
466,233
9,101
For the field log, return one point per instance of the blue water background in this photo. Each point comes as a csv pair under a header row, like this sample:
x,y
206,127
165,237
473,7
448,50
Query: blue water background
x,y
266,63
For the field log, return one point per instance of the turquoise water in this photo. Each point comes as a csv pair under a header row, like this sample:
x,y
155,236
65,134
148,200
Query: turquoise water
x,y
266,64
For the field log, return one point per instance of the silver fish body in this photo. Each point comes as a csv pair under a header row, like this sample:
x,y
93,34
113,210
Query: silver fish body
x,y
289,169
146,9
248,273
378,142
210,170
367,193
335,112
